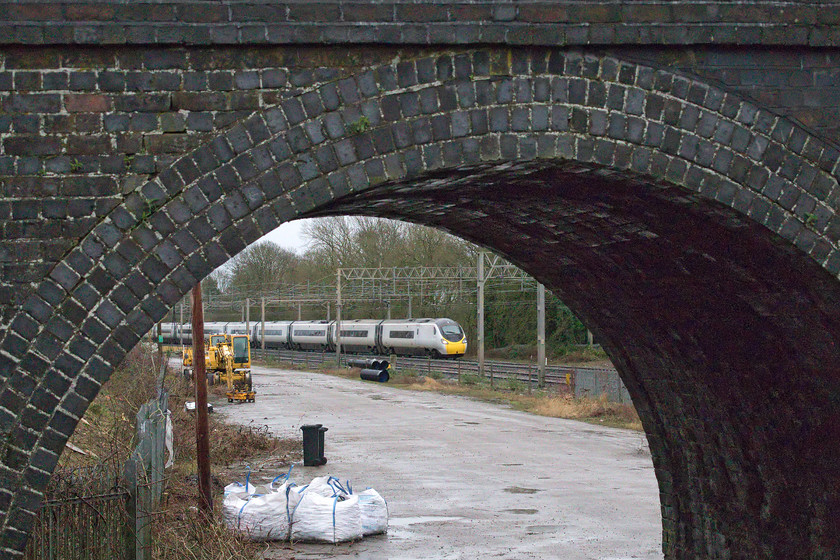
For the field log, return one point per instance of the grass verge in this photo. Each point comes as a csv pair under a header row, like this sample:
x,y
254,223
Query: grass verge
x,y
107,432
512,393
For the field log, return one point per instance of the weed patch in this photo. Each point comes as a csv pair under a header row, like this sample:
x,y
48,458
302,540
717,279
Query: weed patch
x,y
107,432
509,392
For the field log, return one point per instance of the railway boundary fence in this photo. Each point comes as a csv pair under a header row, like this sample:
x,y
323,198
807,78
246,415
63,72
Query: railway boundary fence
x,y
104,511
581,381
83,516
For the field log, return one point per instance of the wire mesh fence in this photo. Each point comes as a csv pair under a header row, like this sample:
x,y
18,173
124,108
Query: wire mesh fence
x,y
83,516
104,511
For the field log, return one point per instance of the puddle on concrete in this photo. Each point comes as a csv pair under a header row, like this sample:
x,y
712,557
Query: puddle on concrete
x,y
541,529
521,511
473,423
406,521
376,397
511,464
520,490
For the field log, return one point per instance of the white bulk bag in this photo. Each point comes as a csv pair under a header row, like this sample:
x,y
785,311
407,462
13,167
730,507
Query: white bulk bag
x,y
239,488
261,517
329,486
319,518
374,512
320,485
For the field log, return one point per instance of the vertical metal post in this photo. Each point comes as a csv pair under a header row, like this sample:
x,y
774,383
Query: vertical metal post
x,y
328,311
181,328
540,336
529,379
389,310
202,439
299,311
409,300
248,316
262,323
160,340
480,310
338,318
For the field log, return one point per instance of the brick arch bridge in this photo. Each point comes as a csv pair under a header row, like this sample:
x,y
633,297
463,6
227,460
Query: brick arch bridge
x,y
688,219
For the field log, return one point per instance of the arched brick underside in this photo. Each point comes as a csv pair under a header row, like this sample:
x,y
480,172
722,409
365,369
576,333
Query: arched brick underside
x,y
694,232
725,336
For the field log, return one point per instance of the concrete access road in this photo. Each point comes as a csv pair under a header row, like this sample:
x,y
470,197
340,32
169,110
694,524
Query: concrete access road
x,y
467,479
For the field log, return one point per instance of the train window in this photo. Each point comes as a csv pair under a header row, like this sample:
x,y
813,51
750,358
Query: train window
x,y
309,333
402,334
452,332
354,334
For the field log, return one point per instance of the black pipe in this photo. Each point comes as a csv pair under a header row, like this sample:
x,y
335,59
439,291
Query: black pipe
x,y
368,363
380,375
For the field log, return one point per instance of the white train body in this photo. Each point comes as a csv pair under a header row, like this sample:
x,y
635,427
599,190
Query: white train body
x,y
436,337
433,337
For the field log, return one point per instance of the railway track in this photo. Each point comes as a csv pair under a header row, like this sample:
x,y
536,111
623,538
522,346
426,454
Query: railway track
x,y
453,369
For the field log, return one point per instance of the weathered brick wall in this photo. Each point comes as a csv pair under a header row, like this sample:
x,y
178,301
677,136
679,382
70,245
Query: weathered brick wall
x,y
80,129
91,124
435,22
801,84
685,207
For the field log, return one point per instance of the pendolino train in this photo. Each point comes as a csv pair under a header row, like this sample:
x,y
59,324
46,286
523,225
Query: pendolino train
x,y
406,337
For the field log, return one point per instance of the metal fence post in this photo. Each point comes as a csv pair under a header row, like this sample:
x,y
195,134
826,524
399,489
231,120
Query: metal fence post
x,y
529,379
144,475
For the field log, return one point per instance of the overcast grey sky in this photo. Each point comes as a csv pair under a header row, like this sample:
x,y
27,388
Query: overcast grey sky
x,y
289,236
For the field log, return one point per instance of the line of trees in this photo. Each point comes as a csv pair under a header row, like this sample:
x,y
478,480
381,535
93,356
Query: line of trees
x,y
266,269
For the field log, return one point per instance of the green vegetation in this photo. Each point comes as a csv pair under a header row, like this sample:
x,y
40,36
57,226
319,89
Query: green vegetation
x,y
359,126
266,269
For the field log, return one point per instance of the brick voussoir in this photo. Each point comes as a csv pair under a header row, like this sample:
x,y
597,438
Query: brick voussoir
x,y
747,158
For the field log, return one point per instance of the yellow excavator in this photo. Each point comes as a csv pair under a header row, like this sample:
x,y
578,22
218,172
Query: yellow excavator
x,y
227,360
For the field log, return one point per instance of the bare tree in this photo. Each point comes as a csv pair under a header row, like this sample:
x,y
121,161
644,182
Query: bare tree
x,y
330,242
380,242
427,246
261,268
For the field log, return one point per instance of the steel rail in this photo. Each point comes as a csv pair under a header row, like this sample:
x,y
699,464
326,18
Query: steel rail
x,y
448,368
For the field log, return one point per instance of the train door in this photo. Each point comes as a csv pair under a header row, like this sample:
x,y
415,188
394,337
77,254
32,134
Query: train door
x,y
331,336
289,335
377,338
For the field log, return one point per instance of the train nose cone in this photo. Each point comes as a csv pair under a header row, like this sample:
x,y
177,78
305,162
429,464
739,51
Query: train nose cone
x,y
456,348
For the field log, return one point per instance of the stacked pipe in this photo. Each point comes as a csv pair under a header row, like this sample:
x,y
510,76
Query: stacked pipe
x,y
373,369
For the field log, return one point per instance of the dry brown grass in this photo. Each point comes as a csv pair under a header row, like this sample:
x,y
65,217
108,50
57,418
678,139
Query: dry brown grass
x,y
545,403
107,431
600,410
180,531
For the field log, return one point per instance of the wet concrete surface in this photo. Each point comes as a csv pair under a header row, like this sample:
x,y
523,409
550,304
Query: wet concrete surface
x,y
466,479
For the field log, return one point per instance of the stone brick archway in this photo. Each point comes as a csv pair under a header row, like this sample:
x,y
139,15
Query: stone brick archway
x,y
674,217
